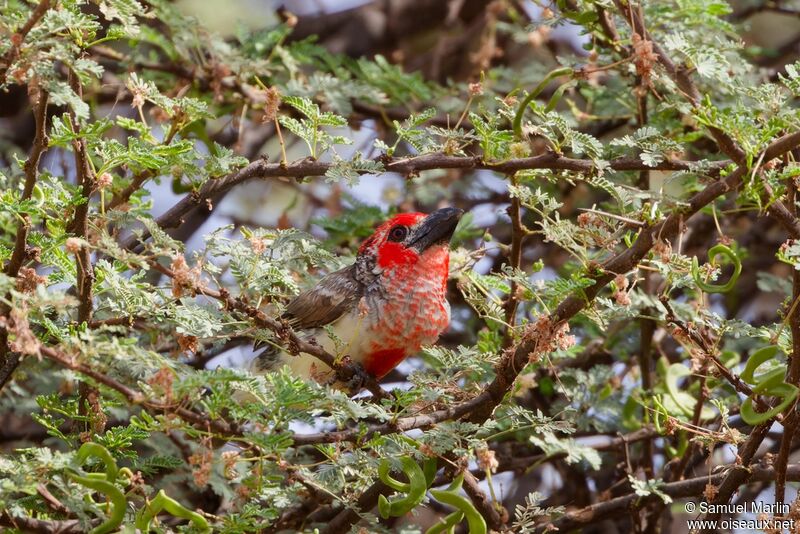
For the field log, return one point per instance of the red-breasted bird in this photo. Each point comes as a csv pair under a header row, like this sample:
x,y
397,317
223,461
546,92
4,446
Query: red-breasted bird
x,y
382,308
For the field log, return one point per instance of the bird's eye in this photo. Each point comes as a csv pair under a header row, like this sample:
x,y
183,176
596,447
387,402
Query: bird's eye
x,y
398,233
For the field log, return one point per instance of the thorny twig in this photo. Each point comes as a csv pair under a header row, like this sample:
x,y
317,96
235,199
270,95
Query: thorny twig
x,y
39,97
18,38
405,166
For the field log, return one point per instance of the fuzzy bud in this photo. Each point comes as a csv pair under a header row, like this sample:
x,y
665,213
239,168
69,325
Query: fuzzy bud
x,y
73,245
104,180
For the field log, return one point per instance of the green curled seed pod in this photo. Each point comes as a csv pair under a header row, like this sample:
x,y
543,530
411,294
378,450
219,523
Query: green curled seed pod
x,y
455,485
628,238
682,400
755,361
115,497
100,452
477,525
713,252
429,467
770,383
37,195
127,473
446,525
385,507
383,474
786,392
517,123
659,414
163,502
554,100
415,493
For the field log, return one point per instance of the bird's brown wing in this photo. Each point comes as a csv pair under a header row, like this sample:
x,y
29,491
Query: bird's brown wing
x,y
322,304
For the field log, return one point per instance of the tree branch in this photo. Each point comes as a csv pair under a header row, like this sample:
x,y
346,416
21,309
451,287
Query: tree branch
x,y
681,77
294,343
9,361
408,166
19,37
790,423
621,263
484,404
136,398
485,506
43,526
40,140
515,260
677,490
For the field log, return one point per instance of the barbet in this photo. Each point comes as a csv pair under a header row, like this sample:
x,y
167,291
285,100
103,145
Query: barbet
x,y
382,308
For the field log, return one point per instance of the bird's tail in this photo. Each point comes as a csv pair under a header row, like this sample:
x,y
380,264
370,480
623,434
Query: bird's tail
x,y
268,359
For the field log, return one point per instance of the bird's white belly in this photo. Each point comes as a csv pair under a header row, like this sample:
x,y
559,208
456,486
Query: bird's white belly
x,y
347,340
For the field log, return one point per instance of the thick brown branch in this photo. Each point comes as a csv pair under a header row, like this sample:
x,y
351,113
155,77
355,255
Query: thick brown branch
x,y
88,397
9,360
647,328
485,506
789,222
43,526
310,167
677,490
39,105
791,421
80,222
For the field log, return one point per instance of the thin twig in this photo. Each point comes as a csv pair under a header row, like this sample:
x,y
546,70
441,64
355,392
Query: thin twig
x,y
515,260
9,361
18,38
88,396
295,344
681,78
39,105
137,398
485,506
692,487
406,166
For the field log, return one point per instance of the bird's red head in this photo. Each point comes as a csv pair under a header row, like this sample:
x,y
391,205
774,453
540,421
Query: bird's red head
x,y
408,237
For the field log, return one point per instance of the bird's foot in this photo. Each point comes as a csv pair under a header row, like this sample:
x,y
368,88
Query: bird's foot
x,y
359,380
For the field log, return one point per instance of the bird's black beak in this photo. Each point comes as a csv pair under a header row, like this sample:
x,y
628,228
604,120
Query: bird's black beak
x,y
437,228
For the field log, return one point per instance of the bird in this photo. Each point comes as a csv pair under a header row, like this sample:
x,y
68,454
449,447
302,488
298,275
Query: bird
x,y
379,310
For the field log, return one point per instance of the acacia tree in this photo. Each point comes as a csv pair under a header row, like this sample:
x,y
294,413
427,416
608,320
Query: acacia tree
x,y
625,331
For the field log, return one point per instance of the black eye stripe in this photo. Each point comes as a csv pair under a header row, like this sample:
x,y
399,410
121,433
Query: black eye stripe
x,y
398,233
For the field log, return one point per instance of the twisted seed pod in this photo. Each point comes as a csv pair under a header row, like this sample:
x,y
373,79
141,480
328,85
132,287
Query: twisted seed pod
x,y
166,503
713,252
415,488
